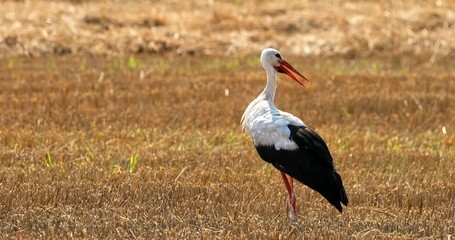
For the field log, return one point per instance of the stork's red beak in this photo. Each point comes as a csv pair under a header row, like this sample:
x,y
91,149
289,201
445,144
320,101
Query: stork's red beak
x,y
285,67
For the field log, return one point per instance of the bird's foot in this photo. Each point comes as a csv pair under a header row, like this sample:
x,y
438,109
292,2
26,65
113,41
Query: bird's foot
x,y
292,214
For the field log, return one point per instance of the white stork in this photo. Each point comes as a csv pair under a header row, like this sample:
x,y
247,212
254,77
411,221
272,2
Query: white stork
x,y
287,143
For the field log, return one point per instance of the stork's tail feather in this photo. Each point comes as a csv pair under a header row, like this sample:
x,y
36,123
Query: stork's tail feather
x,y
338,193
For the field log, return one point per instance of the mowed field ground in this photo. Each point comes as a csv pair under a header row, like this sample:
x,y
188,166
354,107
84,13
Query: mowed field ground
x,y
126,125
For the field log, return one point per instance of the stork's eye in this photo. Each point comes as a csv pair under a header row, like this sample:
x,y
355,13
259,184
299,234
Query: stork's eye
x,y
278,55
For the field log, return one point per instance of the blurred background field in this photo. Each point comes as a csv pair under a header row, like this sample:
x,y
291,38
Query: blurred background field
x,y
306,28
120,119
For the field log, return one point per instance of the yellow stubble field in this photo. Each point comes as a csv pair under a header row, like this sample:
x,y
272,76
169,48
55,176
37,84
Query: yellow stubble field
x,y
120,142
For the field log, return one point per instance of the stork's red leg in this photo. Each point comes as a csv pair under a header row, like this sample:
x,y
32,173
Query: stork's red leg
x,y
286,182
292,199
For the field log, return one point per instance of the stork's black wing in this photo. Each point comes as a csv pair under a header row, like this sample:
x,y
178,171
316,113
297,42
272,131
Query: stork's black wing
x,y
311,164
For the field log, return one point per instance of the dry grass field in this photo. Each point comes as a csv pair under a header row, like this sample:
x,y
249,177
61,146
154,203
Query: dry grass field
x,y
126,125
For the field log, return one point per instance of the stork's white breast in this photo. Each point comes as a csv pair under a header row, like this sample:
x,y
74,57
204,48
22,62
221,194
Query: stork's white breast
x,y
268,126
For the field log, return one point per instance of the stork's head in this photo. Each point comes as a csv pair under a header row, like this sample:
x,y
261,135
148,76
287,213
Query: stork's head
x,y
272,58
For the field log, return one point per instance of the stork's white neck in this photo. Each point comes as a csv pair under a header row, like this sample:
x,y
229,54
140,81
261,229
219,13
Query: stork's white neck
x,y
270,88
